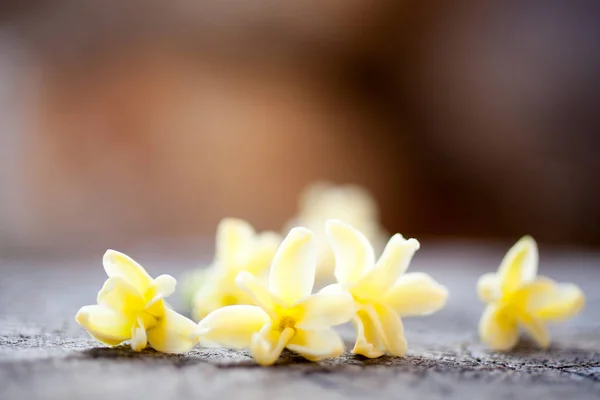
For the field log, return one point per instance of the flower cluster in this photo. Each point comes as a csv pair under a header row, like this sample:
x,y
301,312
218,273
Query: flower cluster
x,y
240,309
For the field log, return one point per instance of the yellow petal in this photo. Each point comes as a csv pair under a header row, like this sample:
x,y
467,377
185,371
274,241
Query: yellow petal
x,y
234,238
206,300
119,295
264,249
259,294
267,344
536,329
335,288
550,301
147,319
392,264
315,345
354,255
119,264
519,265
233,326
104,324
155,308
139,340
173,333
388,326
214,296
488,287
497,329
293,270
323,310
416,294
368,343
165,285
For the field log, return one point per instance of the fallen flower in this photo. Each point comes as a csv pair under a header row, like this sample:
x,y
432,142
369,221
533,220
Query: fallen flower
x,y
286,315
516,298
238,248
131,307
382,291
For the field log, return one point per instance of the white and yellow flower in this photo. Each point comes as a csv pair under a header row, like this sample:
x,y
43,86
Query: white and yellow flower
x,y
131,307
286,315
238,248
517,297
382,291
322,201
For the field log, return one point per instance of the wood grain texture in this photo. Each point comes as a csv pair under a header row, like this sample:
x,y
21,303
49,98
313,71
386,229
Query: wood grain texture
x,y
45,355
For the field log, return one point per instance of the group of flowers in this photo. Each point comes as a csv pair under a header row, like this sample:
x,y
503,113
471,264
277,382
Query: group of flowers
x,y
239,308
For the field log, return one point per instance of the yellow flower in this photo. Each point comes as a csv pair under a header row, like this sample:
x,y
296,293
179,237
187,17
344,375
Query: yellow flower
x,y
238,248
516,298
322,201
381,291
131,307
286,315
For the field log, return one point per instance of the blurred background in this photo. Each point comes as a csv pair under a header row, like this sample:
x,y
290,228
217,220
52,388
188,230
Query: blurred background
x,y
122,122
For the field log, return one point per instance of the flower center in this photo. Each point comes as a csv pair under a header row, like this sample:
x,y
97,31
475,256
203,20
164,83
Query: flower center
x,y
286,322
229,300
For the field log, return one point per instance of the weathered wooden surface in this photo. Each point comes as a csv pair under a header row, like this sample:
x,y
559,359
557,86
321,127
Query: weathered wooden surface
x,y
45,355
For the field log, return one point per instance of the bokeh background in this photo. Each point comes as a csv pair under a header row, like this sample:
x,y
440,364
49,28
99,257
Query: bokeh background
x,y
123,122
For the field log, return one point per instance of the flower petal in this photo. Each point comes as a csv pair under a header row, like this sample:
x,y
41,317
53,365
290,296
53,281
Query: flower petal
x,y
353,253
214,296
536,329
155,308
147,319
119,264
315,345
104,324
497,329
264,248
551,301
267,344
206,300
259,294
233,326
173,333
416,294
118,294
323,310
389,328
334,288
519,265
392,264
165,285
488,287
293,270
234,238
139,340
368,343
